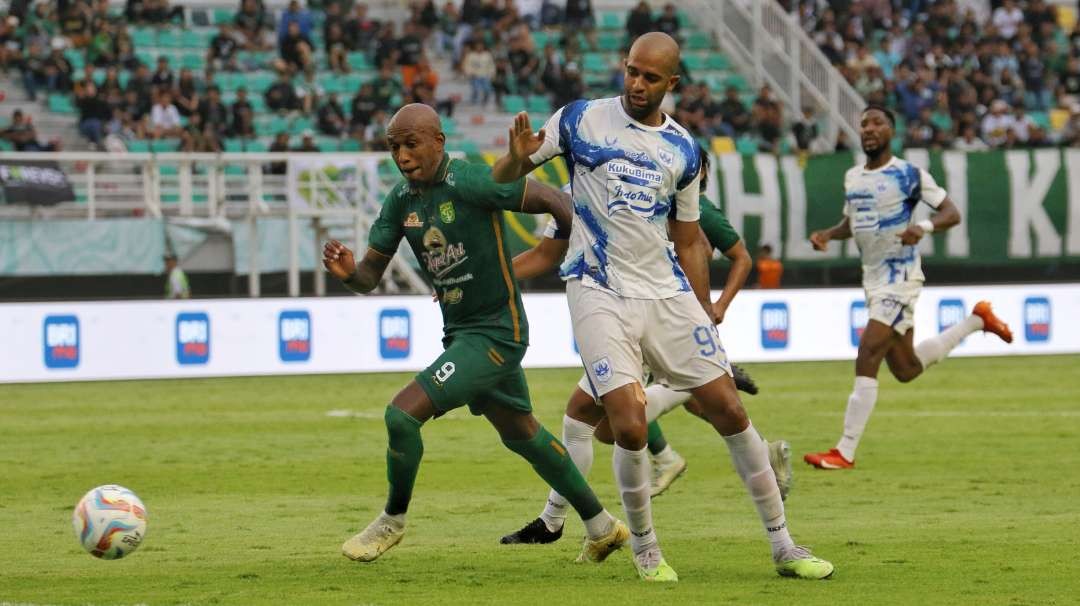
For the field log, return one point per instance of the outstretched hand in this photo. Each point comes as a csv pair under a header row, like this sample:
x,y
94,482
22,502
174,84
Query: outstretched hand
x,y
339,260
523,142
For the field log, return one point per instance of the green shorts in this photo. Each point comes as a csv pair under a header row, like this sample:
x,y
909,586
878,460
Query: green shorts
x,y
477,370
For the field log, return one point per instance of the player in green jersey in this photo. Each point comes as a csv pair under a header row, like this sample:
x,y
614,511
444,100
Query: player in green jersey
x,y
585,419
451,214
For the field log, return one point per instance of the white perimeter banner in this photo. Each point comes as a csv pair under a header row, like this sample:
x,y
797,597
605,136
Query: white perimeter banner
x,y
201,338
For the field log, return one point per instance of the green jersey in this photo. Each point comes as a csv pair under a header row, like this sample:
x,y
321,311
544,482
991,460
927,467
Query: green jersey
x,y
716,227
455,227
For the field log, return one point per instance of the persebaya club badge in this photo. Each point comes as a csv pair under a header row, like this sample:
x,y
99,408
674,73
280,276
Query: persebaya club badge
x,y
446,212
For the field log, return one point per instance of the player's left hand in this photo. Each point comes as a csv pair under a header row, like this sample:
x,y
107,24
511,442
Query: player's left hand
x,y
719,310
912,235
710,311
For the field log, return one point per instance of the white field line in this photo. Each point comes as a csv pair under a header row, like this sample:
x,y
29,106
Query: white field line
x,y
965,413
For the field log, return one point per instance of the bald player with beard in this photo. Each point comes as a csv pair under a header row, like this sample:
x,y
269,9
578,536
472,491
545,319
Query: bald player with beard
x,y
637,296
451,214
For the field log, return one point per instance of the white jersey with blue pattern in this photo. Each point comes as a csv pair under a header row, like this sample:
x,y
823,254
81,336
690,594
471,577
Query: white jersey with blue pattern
x,y
626,179
879,204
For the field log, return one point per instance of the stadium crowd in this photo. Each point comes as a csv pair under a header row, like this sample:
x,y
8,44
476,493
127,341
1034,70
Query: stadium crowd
x,y
961,74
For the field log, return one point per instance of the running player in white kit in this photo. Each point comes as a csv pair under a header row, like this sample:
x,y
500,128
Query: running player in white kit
x,y
637,297
880,197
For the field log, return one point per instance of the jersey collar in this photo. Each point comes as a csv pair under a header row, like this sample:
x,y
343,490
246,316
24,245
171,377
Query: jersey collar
x,y
891,162
440,175
641,125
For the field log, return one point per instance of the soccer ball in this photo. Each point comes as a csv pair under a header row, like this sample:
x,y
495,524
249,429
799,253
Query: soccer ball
x,y
110,522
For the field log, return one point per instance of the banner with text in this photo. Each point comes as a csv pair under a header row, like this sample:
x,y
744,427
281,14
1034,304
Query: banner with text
x,y
1018,207
144,339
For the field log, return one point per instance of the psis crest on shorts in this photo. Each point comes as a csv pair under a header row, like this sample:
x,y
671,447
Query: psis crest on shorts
x,y
602,369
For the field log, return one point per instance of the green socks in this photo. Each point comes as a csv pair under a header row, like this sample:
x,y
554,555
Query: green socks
x,y
403,456
657,441
548,457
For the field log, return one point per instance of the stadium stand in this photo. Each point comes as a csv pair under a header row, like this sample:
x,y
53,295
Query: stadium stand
x,y
964,74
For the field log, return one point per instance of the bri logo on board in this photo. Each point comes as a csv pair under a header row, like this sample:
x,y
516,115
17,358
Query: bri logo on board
x,y
192,338
859,317
61,341
294,335
1037,319
774,325
950,312
395,334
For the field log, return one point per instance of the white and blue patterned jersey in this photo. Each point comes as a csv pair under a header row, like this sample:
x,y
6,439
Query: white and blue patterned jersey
x,y
626,180
879,204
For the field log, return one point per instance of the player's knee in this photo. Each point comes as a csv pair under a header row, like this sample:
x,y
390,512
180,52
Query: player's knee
x,y
907,373
399,423
695,408
604,433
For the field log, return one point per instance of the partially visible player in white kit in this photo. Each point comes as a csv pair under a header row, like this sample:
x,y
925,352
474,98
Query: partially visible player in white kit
x,y
880,198
635,296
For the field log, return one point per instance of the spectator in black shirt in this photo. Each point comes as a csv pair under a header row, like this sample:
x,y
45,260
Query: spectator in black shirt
x,y
733,112
362,108
524,62
281,96
579,16
58,71
296,51
385,88
251,23
410,50
307,143
213,113
337,49
22,134
242,123
639,21
571,87
163,76
805,131
280,144
386,46
668,22
332,117
94,112
186,97
361,31
222,52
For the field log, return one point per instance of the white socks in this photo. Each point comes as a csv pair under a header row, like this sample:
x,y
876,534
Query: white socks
x,y
933,350
751,458
666,456
577,437
632,477
598,525
859,406
397,519
660,400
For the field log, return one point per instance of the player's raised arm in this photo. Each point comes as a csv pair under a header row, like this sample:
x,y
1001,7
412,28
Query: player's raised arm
x,y
947,215
522,143
360,277
841,231
740,269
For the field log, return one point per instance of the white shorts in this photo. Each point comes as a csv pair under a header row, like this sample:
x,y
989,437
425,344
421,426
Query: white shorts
x,y
617,336
894,305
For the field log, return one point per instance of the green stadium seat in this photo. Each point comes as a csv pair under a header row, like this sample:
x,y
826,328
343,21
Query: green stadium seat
x,y
449,126
6,145
738,81
595,62
1041,118
76,58
169,170
146,58
61,104
541,39
234,145
693,62
609,41
513,103
258,102
123,78
258,82
276,124
327,144
359,62
256,146
351,83
718,61
143,37
465,145
168,38
164,145
612,20
699,41
350,145
223,15
138,146
746,145
539,104
196,62
684,20
300,124
196,39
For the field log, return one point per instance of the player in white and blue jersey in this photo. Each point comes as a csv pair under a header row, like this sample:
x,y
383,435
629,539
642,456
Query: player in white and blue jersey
x,y
880,197
638,297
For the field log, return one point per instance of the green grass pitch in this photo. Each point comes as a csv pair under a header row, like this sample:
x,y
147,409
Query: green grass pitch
x,y
966,492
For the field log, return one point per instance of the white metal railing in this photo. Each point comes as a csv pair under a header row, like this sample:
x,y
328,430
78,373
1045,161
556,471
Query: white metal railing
x,y
770,45
228,186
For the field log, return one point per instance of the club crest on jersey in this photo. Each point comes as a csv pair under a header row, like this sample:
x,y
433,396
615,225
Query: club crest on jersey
x,y
453,296
446,212
665,156
602,370
881,187
413,220
450,179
